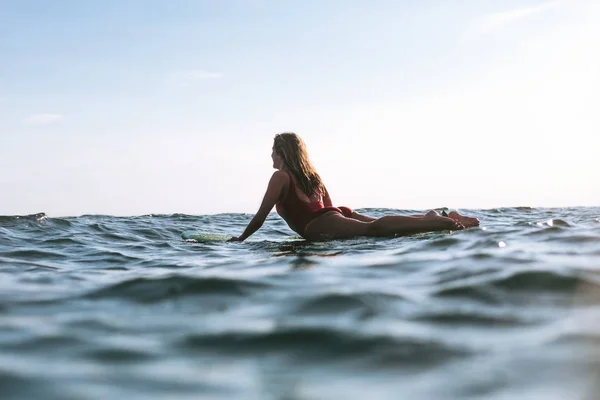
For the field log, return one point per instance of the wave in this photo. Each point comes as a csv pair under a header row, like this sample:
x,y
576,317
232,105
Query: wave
x,y
150,290
575,239
16,220
31,217
481,292
472,317
538,281
369,304
29,254
62,242
327,344
492,290
62,342
119,355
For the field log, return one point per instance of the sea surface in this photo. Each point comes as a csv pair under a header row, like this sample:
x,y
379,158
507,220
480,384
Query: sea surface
x,y
104,307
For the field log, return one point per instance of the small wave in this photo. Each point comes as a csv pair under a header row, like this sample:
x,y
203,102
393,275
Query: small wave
x,y
119,237
176,216
487,243
481,292
511,210
537,281
62,241
458,317
29,254
109,257
581,338
328,343
445,242
546,230
98,227
60,222
554,222
119,355
47,342
493,291
336,303
559,222
576,239
14,219
145,290
148,233
14,385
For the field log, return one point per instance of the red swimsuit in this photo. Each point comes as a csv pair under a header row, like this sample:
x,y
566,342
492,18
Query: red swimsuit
x,y
298,213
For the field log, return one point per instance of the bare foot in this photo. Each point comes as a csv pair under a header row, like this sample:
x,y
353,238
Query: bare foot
x,y
453,224
467,222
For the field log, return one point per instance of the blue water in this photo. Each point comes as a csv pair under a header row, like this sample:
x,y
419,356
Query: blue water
x,y
101,307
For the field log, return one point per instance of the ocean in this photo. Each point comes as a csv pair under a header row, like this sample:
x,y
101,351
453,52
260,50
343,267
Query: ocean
x,y
103,307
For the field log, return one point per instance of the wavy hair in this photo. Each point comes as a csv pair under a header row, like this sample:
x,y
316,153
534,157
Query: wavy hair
x,y
292,150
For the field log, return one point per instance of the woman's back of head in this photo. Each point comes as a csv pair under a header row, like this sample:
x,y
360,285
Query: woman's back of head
x,y
291,148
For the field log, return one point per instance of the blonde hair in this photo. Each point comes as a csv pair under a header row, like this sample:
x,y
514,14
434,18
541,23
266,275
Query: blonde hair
x,y
292,150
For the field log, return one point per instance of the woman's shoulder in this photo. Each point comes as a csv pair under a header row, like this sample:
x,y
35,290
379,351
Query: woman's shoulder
x,y
279,174
281,177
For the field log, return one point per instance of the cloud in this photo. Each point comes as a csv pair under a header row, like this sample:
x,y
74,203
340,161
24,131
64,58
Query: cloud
x,y
43,119
494,21
188,77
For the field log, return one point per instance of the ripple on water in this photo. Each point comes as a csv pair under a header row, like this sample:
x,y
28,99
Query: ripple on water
x,y
17,219
576,239
485,318
539,281
327,344
112,355
149,290
34,254
484,293
369,304
516,287
64,242
56,342
445,242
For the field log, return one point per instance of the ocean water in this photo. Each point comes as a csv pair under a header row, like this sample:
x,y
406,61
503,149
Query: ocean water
x,y
102,307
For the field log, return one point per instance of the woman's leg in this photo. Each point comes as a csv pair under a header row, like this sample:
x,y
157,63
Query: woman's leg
x,y
333,225
366,218
393,225
467,222
361,217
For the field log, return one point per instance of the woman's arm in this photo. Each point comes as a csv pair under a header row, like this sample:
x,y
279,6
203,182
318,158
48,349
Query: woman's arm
x,y
274,190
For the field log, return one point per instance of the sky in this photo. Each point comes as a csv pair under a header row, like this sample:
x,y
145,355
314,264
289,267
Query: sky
x,y
131,107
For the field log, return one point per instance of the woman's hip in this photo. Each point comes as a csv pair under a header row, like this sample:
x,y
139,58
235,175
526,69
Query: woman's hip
x,y
334,225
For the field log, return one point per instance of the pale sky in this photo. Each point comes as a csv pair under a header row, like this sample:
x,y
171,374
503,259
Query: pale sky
x,y
129,107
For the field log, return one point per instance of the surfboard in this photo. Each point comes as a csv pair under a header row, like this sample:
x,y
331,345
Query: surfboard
x,y
193,236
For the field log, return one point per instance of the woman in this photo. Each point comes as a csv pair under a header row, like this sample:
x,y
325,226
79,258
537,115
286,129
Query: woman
x,y
304,203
